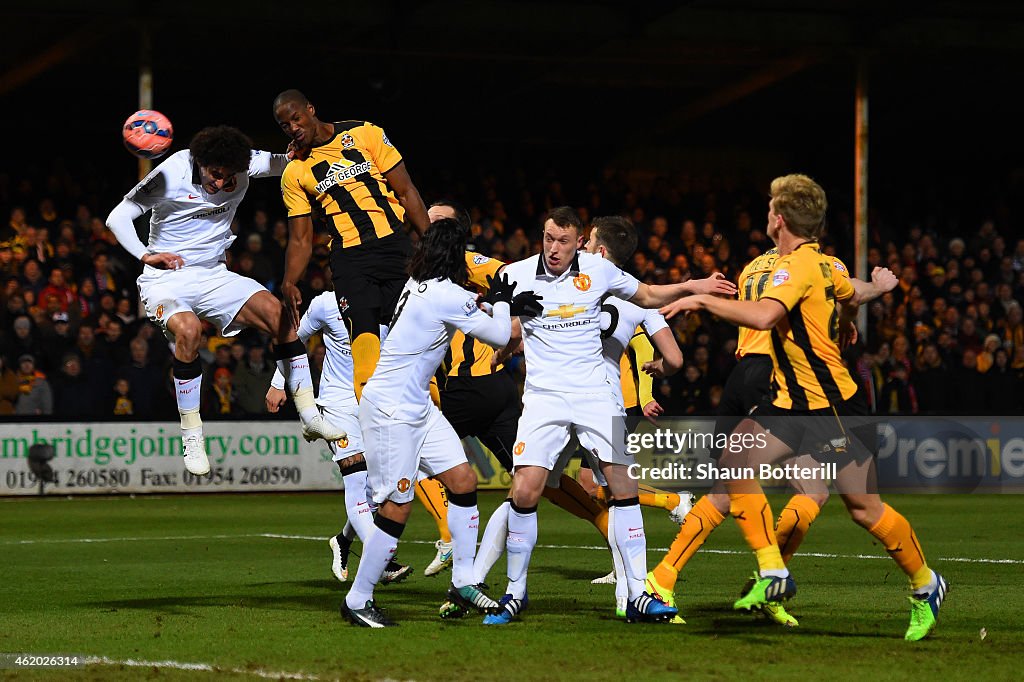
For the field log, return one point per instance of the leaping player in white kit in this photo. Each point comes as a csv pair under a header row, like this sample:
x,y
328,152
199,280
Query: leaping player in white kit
x,y
336,400
406,435
568,390
194,195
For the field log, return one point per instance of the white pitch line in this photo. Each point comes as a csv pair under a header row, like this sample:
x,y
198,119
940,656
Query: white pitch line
x,y
205,667
820,555
314,538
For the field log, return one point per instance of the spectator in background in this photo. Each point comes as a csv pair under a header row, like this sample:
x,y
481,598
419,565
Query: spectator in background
x,y
125,311
32,277
1004,390
57,288
262,270
95,359
116,342
932,381
8,388
59,340
76,396
898,395
969,385
8,267
123,406
986,358
222,400
251,381
24,341
35,397
145,380
88,299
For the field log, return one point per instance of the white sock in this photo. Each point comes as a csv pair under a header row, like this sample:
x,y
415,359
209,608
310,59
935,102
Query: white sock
x,y
628,531
621,580
300,385
464,525
932,585
187,393
774,572
359,513
349,531
522,536
378,550
492,544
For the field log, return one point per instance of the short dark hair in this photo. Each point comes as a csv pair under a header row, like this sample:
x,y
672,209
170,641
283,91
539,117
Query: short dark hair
x,y
222,146
461,214
290,96
566,216
617,234
441,253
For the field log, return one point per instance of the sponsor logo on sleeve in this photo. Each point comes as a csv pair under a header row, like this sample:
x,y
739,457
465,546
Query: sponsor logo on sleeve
x,y
469,307
480,259
780,277
839,267
387,141
519,448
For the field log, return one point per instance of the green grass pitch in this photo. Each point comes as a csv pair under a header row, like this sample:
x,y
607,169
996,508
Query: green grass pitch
x,y
242,584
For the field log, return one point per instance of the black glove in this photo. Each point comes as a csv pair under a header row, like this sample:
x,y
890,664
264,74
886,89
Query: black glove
x,y
499,290
526,304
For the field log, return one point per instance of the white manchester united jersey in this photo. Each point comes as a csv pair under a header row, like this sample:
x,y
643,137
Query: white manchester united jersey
x,y
336,388
563,344
426,317
186,219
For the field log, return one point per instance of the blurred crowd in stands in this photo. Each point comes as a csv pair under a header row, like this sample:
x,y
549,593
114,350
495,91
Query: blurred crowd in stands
x,y
949,339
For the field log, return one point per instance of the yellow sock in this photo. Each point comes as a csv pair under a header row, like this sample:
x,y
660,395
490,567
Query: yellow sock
x,y
753,514
899,540
652,497
572,497
431,494
791,528
696,528
365,354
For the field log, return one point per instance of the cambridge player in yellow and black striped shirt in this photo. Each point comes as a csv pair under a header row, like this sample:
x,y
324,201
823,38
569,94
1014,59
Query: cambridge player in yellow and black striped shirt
x,y
351,177
799,306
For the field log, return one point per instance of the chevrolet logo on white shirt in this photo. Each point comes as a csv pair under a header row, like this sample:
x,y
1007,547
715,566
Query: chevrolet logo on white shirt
x,y
565,312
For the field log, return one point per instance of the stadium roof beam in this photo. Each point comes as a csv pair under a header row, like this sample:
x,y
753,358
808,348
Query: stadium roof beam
x,y
728,94
57,53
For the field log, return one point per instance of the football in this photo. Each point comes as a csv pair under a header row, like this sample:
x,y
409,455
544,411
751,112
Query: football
x,y
148,134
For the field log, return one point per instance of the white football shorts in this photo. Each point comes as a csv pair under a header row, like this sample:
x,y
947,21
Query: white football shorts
x,y
347,419
397,452
213,293
550,419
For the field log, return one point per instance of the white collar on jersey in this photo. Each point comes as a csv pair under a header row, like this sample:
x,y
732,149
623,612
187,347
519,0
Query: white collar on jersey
x,y
542,268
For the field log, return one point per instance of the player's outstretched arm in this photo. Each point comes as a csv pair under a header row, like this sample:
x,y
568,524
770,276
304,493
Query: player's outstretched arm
x,y
300,249
121,223
883,280
762,314
408,196
658,295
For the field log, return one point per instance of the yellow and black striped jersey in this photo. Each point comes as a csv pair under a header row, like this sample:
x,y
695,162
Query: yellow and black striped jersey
x,y
468,357
808,368
751,284
342,182
637,387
